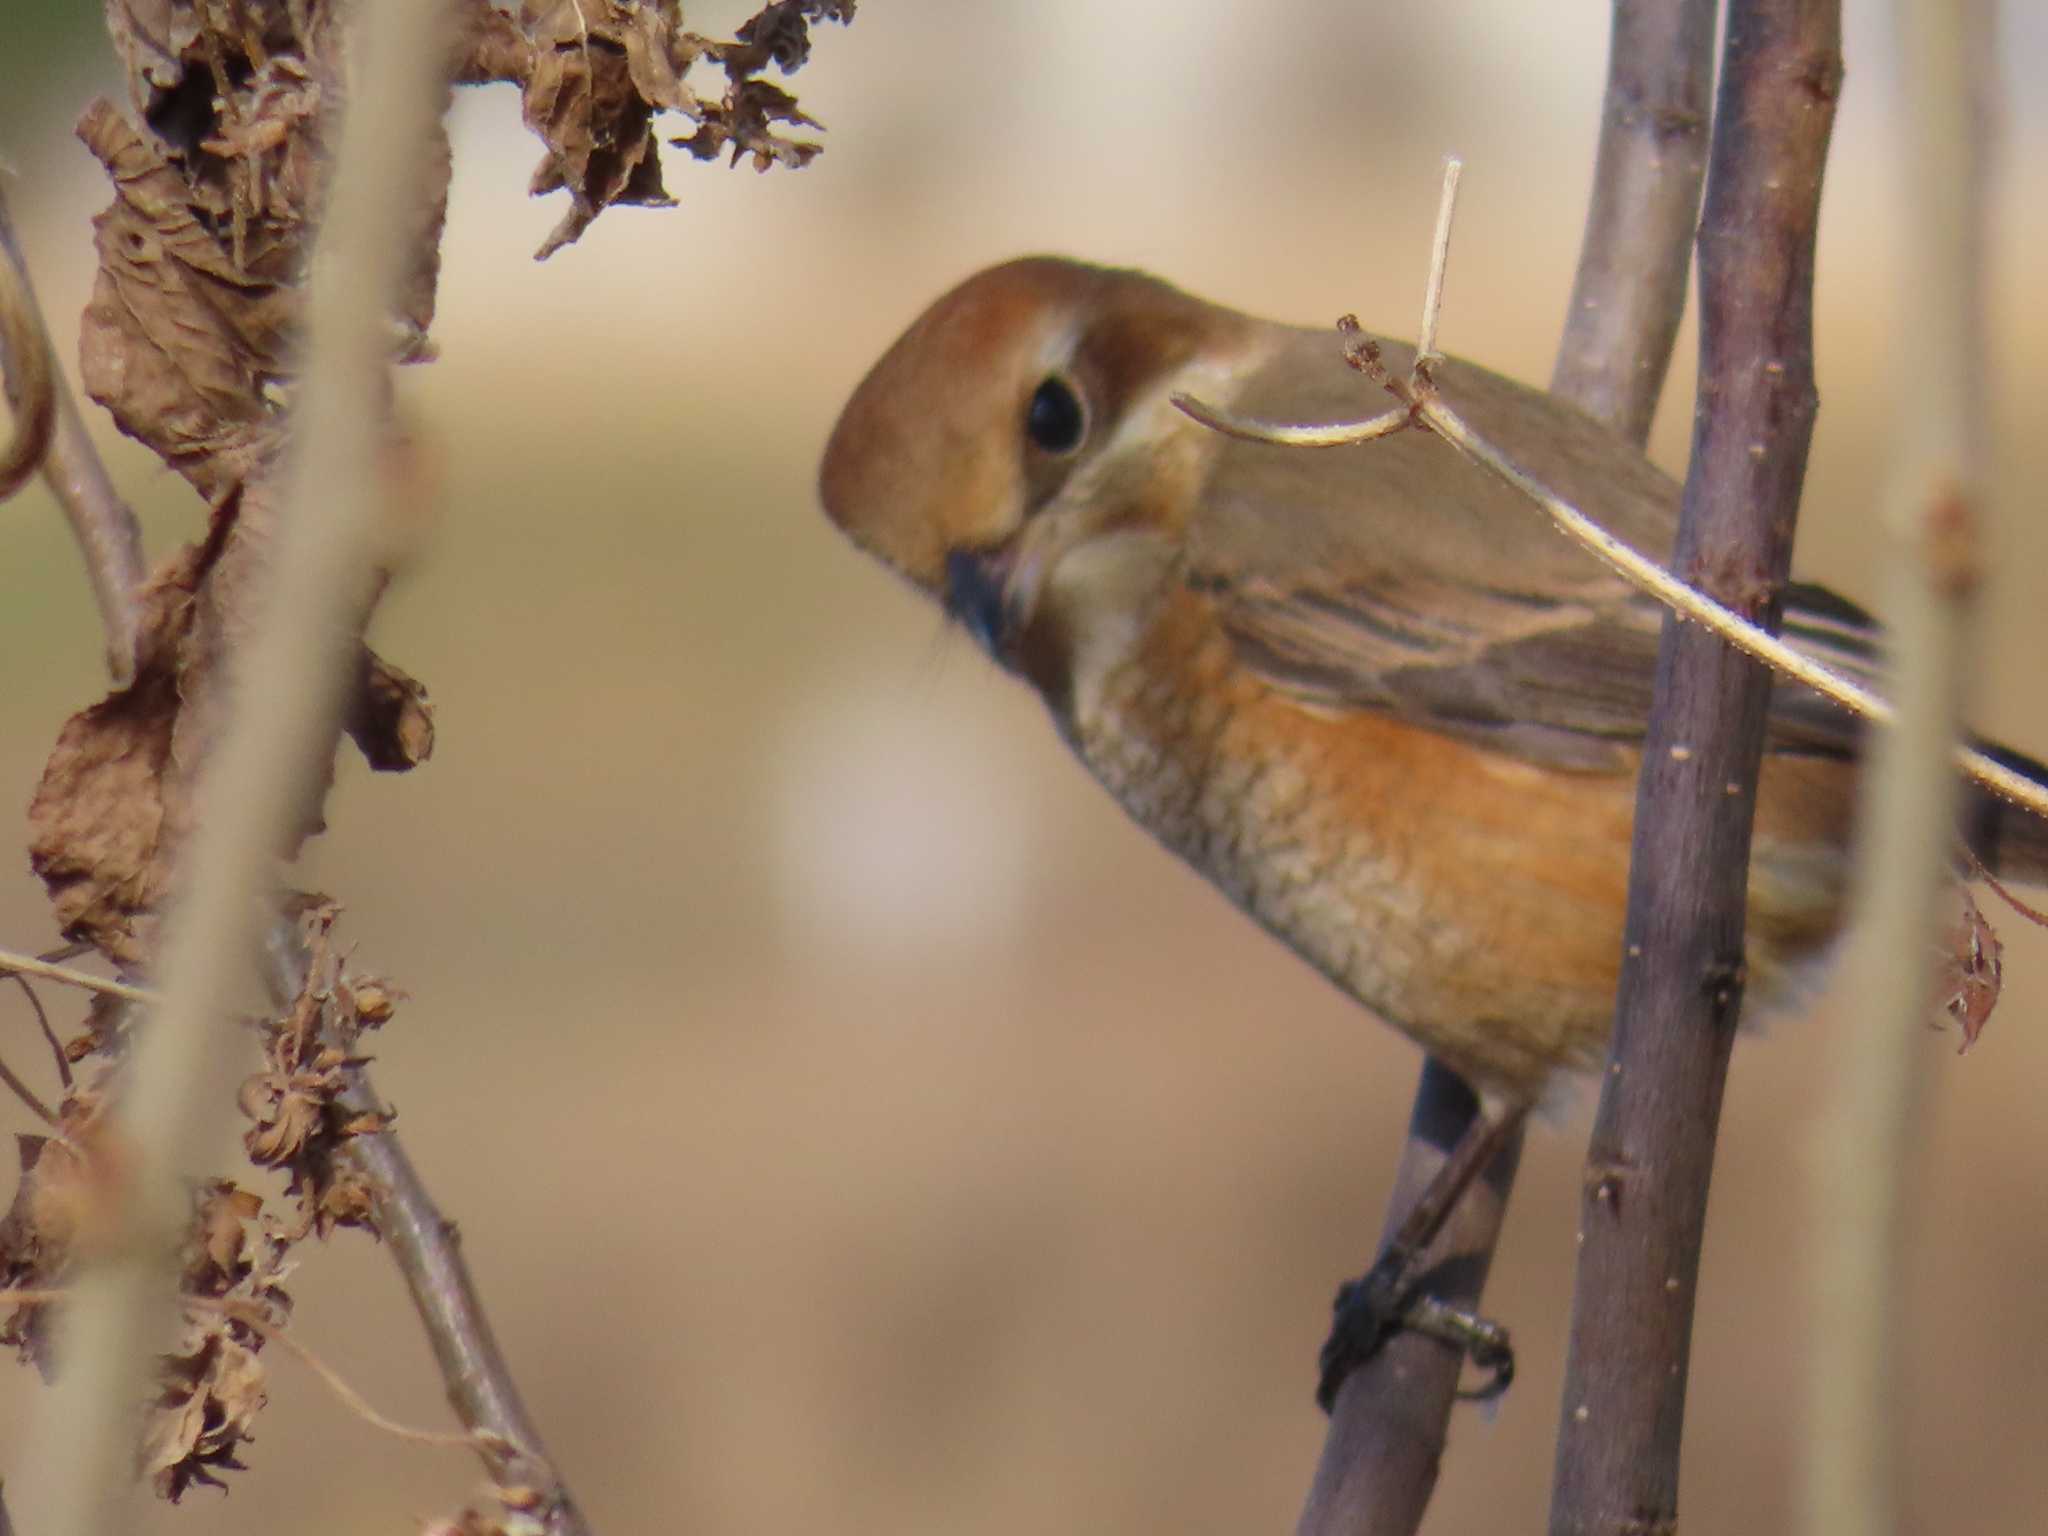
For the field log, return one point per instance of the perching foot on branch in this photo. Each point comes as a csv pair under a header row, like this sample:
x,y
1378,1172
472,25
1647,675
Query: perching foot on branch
x,y
1390,1298
1393,1294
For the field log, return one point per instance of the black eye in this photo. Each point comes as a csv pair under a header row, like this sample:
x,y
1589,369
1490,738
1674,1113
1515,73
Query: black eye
x,y
1054,420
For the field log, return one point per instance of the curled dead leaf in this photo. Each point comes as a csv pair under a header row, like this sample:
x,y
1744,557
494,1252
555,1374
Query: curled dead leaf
x,y
1970,975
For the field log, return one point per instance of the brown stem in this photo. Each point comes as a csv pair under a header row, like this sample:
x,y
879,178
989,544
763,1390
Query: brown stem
x,y
1637,252
427,1249
1387,1433
109,537
1651,1158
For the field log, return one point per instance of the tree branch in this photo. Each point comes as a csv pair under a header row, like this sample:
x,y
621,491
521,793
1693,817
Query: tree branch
x,y
1651,1158
427,1249
1630,291
109,537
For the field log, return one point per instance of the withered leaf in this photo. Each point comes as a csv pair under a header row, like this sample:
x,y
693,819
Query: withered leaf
x,y
390,720
31,1258
594,75
600,72
301,1122
1970,975
210,1392
179,340
114,798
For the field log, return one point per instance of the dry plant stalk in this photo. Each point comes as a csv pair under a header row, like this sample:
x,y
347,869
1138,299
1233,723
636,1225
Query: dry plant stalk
x,y
193,341
1868,1139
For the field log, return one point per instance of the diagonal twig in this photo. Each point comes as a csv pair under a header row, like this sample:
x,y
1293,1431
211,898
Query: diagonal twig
x,y
15,964
104,526
428,1252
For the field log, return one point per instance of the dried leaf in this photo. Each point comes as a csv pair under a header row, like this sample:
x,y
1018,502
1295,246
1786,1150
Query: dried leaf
x,y
190,340
1971,973
30,1259
300,1124
59,1202
595,74
210,1389
210,1392
600,72
391,722
179,340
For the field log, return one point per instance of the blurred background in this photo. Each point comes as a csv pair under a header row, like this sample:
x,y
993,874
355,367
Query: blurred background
x,y
854,1123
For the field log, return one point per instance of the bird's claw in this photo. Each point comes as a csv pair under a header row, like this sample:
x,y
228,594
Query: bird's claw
x,y
1384,1301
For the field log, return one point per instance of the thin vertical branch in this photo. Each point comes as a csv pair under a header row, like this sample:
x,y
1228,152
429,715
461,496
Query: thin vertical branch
x,y
290,685
1388,1430
1630,291
1651,1160
1934,520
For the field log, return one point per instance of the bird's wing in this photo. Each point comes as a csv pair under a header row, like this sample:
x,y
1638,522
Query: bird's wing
x,y
1418,584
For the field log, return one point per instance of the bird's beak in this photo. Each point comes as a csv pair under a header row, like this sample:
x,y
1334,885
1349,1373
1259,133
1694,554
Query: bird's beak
x,y
978,596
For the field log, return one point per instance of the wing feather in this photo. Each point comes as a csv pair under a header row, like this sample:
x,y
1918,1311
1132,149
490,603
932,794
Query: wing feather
x,y
1421,586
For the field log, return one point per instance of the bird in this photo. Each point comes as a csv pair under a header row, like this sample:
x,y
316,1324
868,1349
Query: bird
x,y
1369,693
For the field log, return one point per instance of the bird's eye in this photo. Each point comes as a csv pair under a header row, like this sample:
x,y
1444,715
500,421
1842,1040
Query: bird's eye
x,y
1054,420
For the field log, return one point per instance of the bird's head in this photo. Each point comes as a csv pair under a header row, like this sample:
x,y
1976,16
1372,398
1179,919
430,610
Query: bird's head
x,y
1015,454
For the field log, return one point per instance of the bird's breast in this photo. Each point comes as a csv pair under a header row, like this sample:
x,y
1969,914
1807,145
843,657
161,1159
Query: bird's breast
x,y
1474,901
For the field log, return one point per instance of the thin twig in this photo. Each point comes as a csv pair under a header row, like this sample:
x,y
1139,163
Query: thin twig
x,y
1869,1141
26,1094
276,745
252,1316
42,1014
30,375
1439,259
108,535
425,1246
1629,294
1311,434
29,965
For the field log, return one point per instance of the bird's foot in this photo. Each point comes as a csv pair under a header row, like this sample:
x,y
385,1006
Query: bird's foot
x,y
1384,1301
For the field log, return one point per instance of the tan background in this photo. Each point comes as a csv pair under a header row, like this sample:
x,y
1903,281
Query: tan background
x,y
856,1125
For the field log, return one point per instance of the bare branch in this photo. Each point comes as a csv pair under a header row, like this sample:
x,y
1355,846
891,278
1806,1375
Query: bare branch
x,y
423,1243
28,965
1630,290
108,535
1651,1158
30,375
42,1014
1934,519
1439,258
